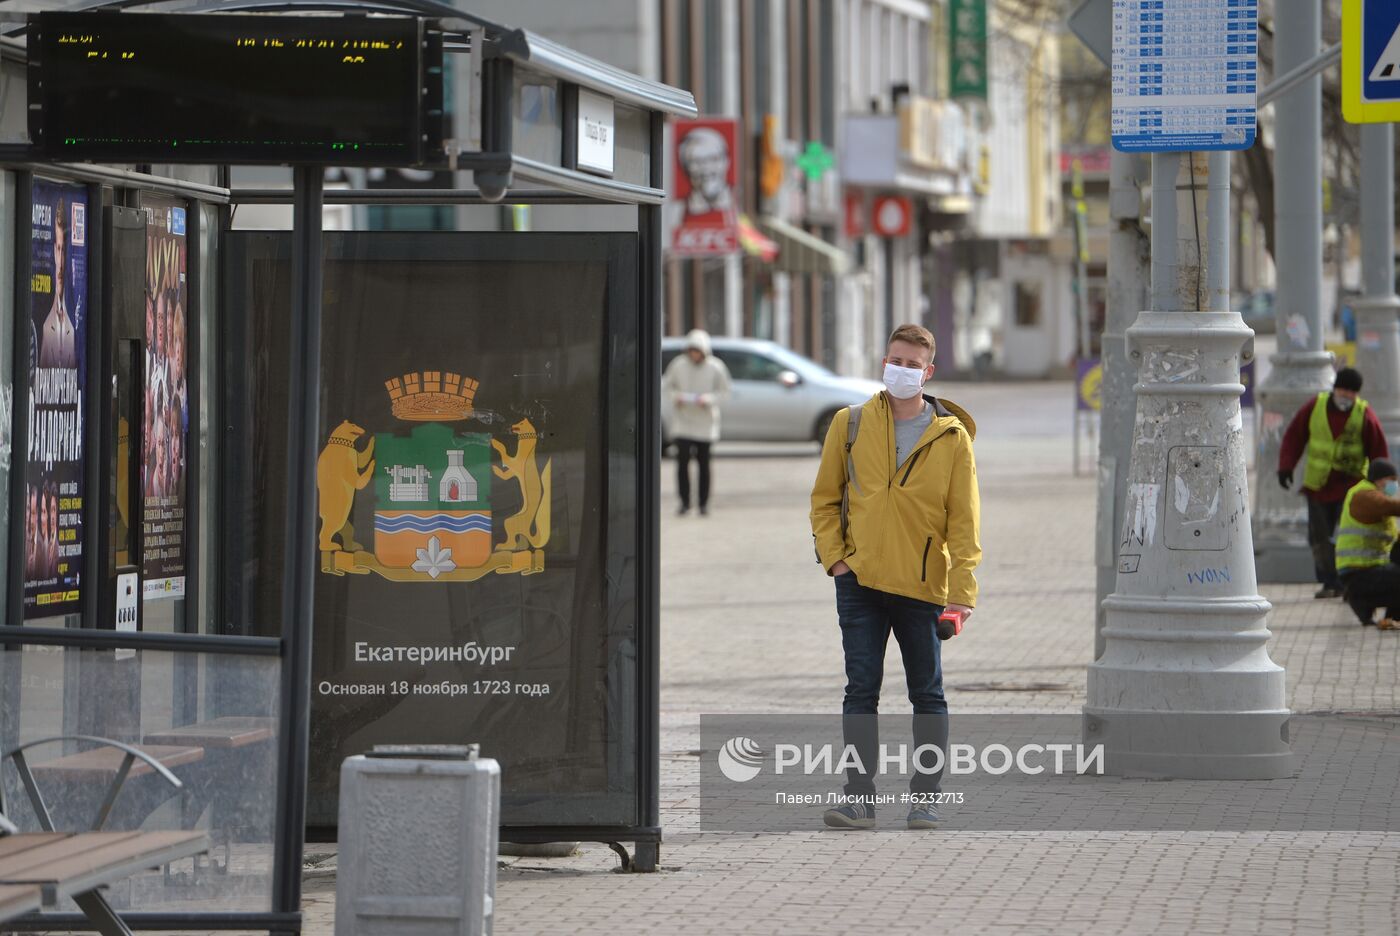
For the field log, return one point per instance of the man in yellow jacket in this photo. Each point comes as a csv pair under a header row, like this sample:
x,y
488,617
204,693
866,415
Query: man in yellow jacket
x,y
895,518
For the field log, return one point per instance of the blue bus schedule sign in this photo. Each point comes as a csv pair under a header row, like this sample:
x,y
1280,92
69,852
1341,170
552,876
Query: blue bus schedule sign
x,y
1185,75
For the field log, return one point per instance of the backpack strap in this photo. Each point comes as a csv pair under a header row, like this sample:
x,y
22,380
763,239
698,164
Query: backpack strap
x,y
852,428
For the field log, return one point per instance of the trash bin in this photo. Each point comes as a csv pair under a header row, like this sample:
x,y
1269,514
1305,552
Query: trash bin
x,y
419,827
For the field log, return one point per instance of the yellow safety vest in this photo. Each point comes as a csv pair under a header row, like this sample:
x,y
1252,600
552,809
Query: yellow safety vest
x,y
1363,545
1345,453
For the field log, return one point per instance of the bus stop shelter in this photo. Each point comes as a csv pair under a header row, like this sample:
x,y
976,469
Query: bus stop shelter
x,y
277,496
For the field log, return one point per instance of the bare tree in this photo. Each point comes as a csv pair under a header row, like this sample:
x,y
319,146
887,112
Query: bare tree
x,y
1085,92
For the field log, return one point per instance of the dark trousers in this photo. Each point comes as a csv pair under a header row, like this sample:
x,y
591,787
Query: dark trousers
x,y
867,618
1322,533
685,450
1365,590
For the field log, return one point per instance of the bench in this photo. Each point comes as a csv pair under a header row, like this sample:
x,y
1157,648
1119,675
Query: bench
x,y
74,781
224,733
18,899
226,742
39,869
44,867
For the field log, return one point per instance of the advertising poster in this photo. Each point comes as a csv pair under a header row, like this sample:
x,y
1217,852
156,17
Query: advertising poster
x,y
53,473
166,424
476,506
706,170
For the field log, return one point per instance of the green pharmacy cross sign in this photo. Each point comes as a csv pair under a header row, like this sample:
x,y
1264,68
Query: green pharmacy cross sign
x,y
967,49
815,161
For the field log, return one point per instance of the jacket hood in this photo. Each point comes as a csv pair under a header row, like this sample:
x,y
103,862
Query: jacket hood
x,y
700,339
946,414
944,408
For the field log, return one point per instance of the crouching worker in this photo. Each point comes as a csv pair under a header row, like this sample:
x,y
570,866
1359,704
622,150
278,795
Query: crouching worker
x,y
1366,545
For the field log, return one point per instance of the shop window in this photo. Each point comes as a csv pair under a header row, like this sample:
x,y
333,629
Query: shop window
x,y
1027,305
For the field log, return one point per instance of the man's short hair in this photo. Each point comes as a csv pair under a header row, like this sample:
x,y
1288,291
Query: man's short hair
x,y
1348,378
915,335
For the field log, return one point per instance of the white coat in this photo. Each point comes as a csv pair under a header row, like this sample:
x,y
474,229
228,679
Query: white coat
x,y
695,391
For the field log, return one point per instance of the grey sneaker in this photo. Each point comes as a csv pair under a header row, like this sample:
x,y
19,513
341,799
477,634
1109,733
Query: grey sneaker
x,y
850,816
924,817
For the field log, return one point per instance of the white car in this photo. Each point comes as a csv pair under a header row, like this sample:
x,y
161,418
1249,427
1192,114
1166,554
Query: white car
x,y
777,396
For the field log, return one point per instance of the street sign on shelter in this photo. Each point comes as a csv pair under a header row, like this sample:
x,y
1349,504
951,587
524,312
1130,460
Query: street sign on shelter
x,y
1185,75
1371,61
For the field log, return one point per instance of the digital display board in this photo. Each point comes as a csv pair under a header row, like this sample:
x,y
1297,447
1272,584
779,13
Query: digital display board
x,y
215,88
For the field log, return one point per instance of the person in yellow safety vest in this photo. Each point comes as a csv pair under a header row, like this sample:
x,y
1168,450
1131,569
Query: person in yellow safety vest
x,y
1340,433
1366,545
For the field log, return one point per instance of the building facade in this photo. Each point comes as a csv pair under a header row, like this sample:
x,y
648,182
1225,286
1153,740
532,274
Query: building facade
x,y
1012,312
863,194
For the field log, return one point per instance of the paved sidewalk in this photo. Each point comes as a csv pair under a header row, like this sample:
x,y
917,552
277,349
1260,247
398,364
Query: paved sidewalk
x,y
749,626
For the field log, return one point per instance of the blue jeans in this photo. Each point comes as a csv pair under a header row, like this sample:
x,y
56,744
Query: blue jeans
x,y
867,617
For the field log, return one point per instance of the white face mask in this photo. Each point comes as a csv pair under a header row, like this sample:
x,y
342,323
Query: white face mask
x,y
1343,403
903,383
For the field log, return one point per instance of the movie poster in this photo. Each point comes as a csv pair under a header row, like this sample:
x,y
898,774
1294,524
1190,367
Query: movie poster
x,y
167,411
53,475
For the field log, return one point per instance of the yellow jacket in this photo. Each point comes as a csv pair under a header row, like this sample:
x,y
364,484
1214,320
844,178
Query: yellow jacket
x,y
913,528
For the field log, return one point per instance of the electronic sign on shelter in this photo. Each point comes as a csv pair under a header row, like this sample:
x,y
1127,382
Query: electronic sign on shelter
x,y
210,89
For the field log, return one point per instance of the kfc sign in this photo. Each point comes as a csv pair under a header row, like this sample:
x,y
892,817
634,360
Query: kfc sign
x,y
706,173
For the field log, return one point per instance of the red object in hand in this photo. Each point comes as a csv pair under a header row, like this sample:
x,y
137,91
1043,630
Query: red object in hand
x,y
949,624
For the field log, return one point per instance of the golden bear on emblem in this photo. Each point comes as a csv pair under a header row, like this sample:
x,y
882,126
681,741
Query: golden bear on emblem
x,y
342,470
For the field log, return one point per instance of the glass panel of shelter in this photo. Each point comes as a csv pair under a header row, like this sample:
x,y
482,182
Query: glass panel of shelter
x,y
7,338
210,718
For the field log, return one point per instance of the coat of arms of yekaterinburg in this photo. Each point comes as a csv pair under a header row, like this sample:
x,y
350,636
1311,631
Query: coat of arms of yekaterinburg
x,y
431,491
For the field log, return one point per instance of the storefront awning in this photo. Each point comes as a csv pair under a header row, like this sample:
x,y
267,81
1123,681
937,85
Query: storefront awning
x,y
800,252
754,243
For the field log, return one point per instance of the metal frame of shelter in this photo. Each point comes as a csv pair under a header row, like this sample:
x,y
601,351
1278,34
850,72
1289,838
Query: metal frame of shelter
x,y
497,169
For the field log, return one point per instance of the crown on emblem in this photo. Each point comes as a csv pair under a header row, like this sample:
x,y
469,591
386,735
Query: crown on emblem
x,y
431,395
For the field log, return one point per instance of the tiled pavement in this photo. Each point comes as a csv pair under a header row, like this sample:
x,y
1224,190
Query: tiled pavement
x,y
749,626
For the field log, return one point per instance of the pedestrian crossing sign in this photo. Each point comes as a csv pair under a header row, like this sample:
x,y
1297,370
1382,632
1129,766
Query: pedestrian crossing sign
x,y
1371,61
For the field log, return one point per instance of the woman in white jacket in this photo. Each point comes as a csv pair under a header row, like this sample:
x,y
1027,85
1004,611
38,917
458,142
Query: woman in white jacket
x,y
696,383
